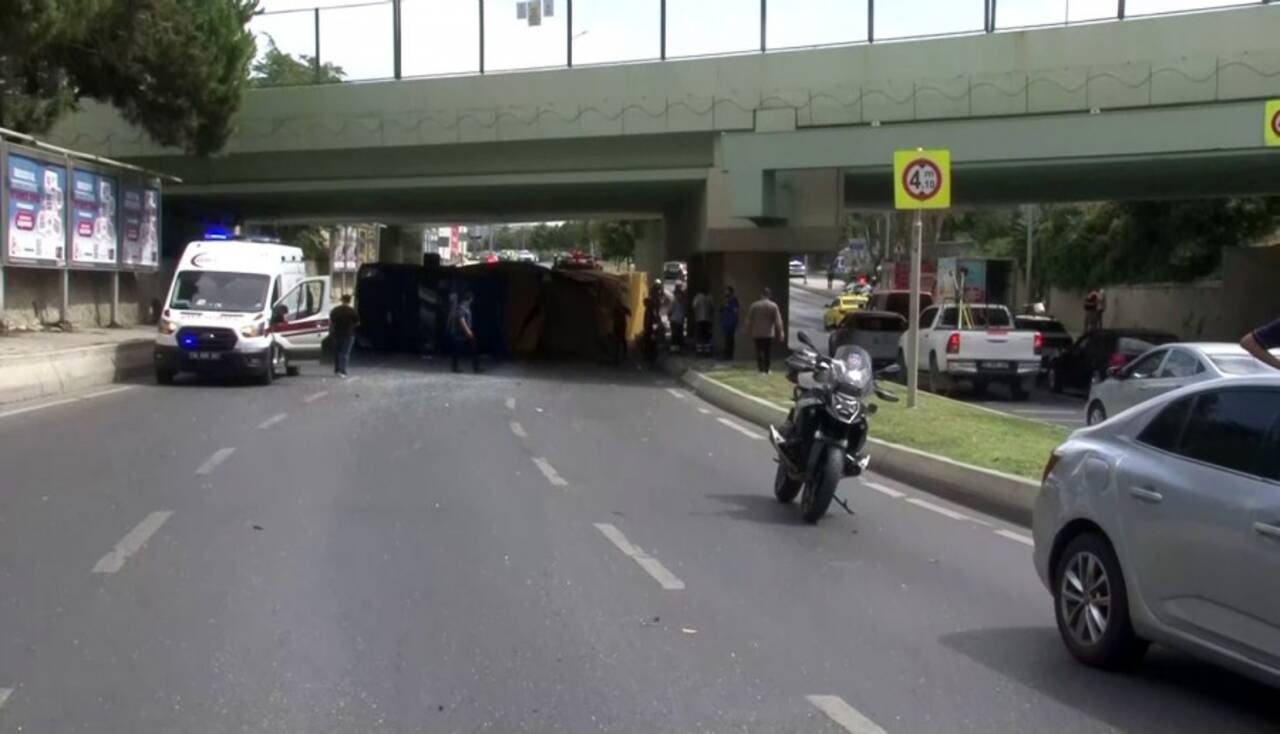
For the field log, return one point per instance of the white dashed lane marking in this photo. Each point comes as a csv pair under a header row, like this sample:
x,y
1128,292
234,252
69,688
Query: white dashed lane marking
x,y
740,429
4,695
885,490
511,403
944,511
849,718
549,472
131,543
315,396
212,462
651,565
272,420
704,411
677,393
1017,537
518,429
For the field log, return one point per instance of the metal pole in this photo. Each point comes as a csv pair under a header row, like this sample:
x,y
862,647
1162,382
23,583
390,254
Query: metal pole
x,y
913,327
395,33
1120,9
871,21
764,25
115,298
316,19
568,33
480,3
1031,215
991,17
662,29
64,300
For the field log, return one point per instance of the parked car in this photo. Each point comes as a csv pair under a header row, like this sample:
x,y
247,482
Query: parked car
x,y
978,346
674,271
1163,525
858,289
1056,338
1164,369
1098,349
898,302
797,269
875,331
841,306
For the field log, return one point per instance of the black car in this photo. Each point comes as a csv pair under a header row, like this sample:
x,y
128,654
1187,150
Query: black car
x,y
1096,351
1056,338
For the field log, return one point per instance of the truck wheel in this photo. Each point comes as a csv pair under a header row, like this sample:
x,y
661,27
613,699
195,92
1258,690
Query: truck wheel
x,y
979,388
1055,381
269,372
164,377
938,383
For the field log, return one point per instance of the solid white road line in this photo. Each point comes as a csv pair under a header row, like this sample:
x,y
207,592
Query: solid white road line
x,y
511,403
42,406
315,396
518,429
677,393
272,420
849,718
1018,537
549,472
659,572
4,695
885,490
744,431
131,543
108,391
945,511
212,462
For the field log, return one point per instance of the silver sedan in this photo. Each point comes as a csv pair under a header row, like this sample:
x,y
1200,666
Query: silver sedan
x,y
1163,525
1165,368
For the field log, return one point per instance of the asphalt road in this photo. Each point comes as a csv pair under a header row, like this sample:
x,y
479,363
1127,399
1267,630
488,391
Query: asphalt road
x,y
1063,410
533,549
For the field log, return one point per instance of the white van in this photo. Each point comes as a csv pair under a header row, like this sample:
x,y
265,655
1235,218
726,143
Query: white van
x,y
237,306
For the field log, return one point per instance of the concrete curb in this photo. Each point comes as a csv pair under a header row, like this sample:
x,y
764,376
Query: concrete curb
x,y
1002,494
48,374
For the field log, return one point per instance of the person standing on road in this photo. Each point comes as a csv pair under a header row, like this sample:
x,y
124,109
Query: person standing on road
x,y
831,274
343,321
1261,341
764,324
703,311
729,321
462,333
1092,317
676,317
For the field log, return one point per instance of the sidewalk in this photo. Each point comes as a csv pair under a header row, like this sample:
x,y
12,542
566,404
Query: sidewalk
x,y
49,363
819,289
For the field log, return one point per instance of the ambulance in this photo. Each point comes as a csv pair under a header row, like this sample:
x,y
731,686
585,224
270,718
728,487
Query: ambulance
x,y
241,307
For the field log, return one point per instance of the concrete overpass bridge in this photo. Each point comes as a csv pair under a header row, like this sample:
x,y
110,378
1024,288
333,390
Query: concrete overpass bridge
x,y
748,157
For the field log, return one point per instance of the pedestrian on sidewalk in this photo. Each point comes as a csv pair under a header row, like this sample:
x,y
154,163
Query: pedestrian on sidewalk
x,y
343,321
764,324
729,321
831,274
676,317
462,333
1261,341
703,311
1092,315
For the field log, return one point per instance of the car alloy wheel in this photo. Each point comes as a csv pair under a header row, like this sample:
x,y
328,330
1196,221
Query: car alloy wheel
x,y
1096,415
1085,593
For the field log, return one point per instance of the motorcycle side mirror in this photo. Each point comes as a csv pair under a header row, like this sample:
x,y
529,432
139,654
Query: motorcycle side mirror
x,y
886,396
804,339
889,371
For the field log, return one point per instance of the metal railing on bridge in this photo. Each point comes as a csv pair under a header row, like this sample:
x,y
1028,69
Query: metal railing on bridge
x,y
395,39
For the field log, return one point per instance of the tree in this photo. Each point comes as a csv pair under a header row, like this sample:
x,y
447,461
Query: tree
x,y
175,68
279,69
617,240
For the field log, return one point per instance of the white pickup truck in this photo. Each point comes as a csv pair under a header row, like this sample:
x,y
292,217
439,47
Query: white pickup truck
x,y
980,347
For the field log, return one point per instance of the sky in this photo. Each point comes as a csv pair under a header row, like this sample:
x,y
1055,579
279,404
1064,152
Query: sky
x,y
442,36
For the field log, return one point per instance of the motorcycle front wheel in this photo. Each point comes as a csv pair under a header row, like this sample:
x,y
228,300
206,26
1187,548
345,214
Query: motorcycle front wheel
x,y
817,498
784,487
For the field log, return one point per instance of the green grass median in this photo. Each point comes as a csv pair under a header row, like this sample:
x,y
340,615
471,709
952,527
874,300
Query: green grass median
x,y
937,425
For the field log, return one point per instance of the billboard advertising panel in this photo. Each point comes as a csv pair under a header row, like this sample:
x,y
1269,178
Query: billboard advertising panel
x,y
94,242
140,212
36,217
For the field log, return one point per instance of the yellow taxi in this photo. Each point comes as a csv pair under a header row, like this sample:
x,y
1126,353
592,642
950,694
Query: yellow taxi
x,y
841,306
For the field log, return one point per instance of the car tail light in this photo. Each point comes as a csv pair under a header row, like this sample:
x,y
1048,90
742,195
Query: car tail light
x,y
953,343
1054,458
1117,360
1039,342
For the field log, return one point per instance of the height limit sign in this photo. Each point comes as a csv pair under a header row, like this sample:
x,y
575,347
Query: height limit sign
x,y
1271,133
922,179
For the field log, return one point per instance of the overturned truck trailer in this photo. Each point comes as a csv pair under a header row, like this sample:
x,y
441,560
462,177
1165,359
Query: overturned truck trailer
x,y
519,310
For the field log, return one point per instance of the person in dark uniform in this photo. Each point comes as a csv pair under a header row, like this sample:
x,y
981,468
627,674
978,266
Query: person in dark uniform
x,y
343,321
